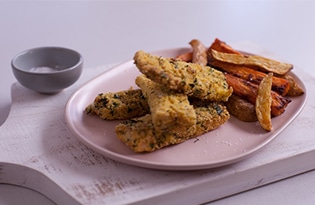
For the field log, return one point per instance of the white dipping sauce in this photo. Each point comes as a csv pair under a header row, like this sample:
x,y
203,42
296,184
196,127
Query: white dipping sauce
x,y
43,69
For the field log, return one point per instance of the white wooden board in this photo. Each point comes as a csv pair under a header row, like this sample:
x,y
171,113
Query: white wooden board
x,y
38,151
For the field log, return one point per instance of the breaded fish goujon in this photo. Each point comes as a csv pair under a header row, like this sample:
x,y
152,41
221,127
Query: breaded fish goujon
x,y
202,82
171,112
140,135
119,105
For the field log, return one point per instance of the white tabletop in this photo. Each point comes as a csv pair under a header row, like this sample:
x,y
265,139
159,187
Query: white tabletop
x,y
106,32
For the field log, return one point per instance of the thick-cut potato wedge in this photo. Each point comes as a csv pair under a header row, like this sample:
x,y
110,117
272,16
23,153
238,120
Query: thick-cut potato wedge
x,y
241,109
217,45
199,52
279,85
265,64
263,103
221,46
186,57
248,91
295,88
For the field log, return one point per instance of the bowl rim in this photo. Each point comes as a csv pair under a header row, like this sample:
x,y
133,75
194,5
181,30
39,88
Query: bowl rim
x,y
15,67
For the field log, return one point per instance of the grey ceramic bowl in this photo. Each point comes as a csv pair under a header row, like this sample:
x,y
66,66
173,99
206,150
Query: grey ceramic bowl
x,y
47,70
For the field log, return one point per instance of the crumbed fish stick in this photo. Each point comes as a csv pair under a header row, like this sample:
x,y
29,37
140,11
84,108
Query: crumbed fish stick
x,y
119,105
192,79
170,111
140,135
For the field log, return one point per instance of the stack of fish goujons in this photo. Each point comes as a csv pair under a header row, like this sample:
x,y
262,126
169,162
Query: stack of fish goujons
x,y
168,86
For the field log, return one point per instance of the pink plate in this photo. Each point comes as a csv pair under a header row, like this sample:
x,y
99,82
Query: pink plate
x,y
232,142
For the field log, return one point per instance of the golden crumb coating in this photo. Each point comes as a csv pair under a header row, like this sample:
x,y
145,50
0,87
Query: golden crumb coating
x,y
210,116
203,82
169,110
140,135
119,105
